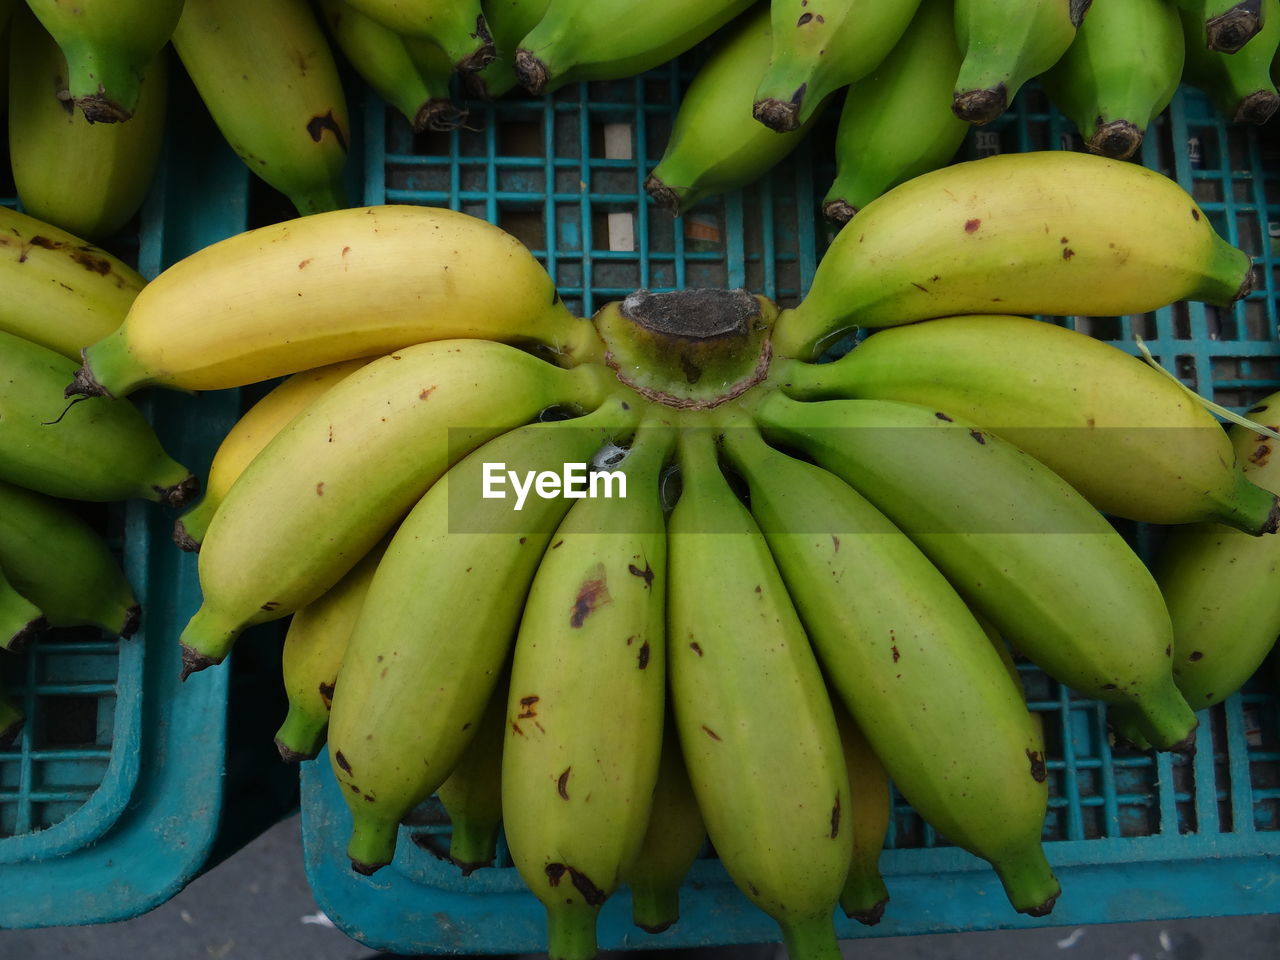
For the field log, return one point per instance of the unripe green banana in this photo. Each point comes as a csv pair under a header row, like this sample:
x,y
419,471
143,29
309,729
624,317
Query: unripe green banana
x,y
1119,73
715,145
87,178
870,808
1130,439
672,841
12,719
1014,539
311,658
1223,25
1006,43
60,291
109,45
62,565
584,735
1051,232
756,726
897,121
98,449
20,620
458,26
417,672
509,21
611,39
252,432
417,86
915,670
819,46
265,71
1239,84
309,507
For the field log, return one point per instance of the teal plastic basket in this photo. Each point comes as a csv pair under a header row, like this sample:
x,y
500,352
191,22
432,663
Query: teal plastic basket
x,y
1132,836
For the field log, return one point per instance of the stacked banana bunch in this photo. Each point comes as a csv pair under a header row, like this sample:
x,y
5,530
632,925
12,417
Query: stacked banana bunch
x,y
809,584
60,294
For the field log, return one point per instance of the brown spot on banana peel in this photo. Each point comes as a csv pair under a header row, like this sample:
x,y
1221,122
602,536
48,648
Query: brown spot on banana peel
x,y
646,574
527,711
643,655
696,648
326,694
1194,656
1261,455
835,543
1039,773
341,761
711,733
835,818
592,594
978,435
804,18
971,226
316,127
943,416
562,784
1068,253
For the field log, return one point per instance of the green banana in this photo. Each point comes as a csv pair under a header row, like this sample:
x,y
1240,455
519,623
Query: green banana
x,y
109,45
1130,439
457,26
897,121
1240,84
62,565
1005,43
87,178
96,449
412,413
1223,25
584,735
413,76
864,896
311,658
20,620
60,291
672,841
1119,73
757,729
820,46
611,39
265,71
914,669
417,672
12,719
509,21
1051,232
715,145
1014,539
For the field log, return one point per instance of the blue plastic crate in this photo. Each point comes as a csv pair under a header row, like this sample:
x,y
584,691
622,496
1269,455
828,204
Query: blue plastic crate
x,y
1132,836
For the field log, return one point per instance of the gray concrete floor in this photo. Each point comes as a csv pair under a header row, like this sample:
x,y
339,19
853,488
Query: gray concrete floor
x,y
257,906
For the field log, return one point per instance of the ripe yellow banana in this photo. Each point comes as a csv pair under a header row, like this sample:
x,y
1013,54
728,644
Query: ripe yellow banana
x,y
60,291
458,26
1044,232
1128,438
246,439
418,672
313,291
756,726
584,735
864,896
331,484
20,620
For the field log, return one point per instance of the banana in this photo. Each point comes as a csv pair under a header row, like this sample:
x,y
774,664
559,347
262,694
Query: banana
x,y
1240,84
309,292
611,39
20,620
418,673
108,45
820,46
252,432
328,486
756,727
1119,73
98,449
266,73
584,736
914,669
509,21
62,565
1131,440
60,291
88,178
897,121
1049,232
1005,43
864,896
715,145
12,719
311,658
415,82
458,26
1014,539
1223,25
672,840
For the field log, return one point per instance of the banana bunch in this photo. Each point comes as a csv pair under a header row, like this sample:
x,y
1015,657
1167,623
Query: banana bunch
x,y
614,585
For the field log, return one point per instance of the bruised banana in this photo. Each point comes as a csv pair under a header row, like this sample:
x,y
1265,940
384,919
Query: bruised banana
x,y
418,673
457,26
1050,232
1240,84
20,620
1223,25
1131,440
914,669
509,21
309,507
309,292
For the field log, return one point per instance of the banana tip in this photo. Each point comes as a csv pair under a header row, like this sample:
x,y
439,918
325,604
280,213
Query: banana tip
x,y
477,61
1257,108
366,869
85,384
664,196
28,633
1187,745
289,755
181,493
657,927
838,212
10,733
440,115
1042,909
869,917
778,115
132,618
980,106
531,72
1119,140
1246,285
193,661
184,539
1229,31
99,108
1272,523
468,867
